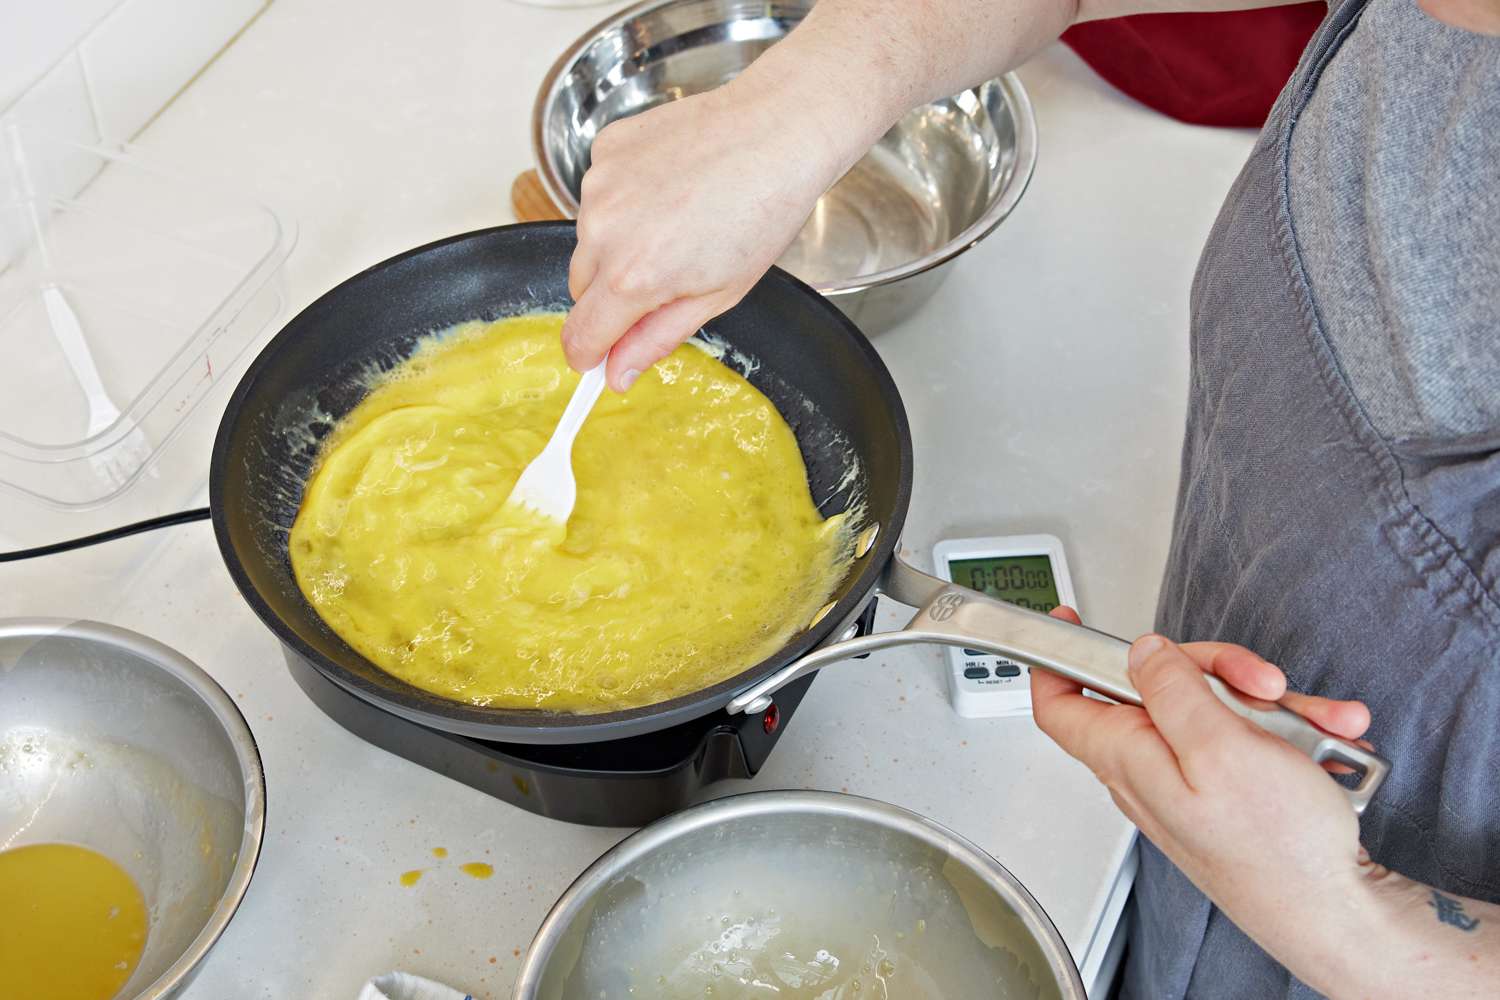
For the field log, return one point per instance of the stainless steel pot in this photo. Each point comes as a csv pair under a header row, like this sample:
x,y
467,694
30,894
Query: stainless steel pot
x,y
880,241
801,893
112,741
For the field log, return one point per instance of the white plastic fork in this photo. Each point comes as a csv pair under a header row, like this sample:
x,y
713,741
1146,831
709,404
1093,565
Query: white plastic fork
x,y
547,485
119,462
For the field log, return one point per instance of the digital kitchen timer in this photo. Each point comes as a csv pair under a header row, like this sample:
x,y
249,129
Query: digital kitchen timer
x,y
1029,571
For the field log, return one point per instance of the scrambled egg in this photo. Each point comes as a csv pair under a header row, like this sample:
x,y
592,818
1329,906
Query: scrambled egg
x,y
694,551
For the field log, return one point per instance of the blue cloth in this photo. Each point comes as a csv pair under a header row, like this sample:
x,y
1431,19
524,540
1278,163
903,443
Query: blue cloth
x,y
1366,570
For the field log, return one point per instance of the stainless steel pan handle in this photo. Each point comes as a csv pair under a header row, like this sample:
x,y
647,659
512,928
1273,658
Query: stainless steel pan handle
x,y
951,615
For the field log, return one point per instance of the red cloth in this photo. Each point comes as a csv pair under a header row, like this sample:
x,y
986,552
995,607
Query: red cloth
x,y
1204,68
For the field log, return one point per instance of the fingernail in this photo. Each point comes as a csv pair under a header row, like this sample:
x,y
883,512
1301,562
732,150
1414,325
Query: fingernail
x,y
1144,648
628,377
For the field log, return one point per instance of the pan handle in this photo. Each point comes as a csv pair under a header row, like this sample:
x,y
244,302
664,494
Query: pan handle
x,y
951,615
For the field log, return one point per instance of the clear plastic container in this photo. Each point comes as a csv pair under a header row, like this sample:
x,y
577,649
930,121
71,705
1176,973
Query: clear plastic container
x,y
126,293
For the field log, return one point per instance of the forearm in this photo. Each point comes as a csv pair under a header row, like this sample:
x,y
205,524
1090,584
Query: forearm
x,y
877,59
1421,942
1379,935
853,67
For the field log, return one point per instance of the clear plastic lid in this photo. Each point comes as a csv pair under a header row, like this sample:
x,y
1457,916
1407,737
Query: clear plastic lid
x,y
126,293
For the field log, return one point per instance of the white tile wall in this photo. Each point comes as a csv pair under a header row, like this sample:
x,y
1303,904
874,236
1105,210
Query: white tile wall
x,y
146,50
129,57
35,34
90,72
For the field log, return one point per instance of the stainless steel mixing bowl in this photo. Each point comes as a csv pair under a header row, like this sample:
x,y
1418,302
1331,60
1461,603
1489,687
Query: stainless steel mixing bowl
x,y
798,894
880,241
112,741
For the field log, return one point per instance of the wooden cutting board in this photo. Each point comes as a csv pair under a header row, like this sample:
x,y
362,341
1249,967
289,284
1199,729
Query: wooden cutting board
x,y
529,199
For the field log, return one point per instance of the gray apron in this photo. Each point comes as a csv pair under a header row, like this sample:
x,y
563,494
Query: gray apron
x,y
1301,534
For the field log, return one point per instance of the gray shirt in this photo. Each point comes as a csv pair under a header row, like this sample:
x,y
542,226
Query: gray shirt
x,y
1396,201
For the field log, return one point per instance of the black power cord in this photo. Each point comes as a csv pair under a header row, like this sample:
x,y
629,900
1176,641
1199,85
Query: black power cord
x,y
124,531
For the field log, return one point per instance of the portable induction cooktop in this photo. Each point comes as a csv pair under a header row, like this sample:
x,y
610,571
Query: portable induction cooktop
x,y
625,782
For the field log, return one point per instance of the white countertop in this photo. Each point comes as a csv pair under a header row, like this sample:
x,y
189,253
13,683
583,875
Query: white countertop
x,y
1045,387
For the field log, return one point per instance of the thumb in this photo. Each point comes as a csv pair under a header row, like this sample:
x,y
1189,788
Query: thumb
x,y
1177,697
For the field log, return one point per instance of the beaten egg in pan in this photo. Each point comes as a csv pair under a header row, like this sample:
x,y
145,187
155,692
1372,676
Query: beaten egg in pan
x,y
695,549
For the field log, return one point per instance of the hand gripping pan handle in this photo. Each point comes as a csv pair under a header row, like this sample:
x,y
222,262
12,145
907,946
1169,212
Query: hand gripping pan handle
x,y
951,615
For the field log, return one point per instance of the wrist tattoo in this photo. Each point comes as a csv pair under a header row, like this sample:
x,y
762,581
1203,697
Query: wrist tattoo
x,y
1451,911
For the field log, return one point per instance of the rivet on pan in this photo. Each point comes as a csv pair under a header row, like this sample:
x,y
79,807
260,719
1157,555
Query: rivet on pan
x,y
866,539
822,613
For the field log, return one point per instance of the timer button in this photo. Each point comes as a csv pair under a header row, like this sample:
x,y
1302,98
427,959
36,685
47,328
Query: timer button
x,y
976,673
975,652
1007,670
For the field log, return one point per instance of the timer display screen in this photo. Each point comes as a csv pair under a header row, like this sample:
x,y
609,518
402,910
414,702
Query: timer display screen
x,y
1025,581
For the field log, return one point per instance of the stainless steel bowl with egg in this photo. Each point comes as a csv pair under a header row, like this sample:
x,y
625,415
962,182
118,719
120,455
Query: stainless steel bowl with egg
x,y
131,792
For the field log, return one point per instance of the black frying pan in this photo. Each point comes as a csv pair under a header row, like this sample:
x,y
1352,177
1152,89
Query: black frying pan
x,y
314,372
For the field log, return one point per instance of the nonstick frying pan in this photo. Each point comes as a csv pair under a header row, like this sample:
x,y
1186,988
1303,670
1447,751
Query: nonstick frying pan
x,y
799,350
796,348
